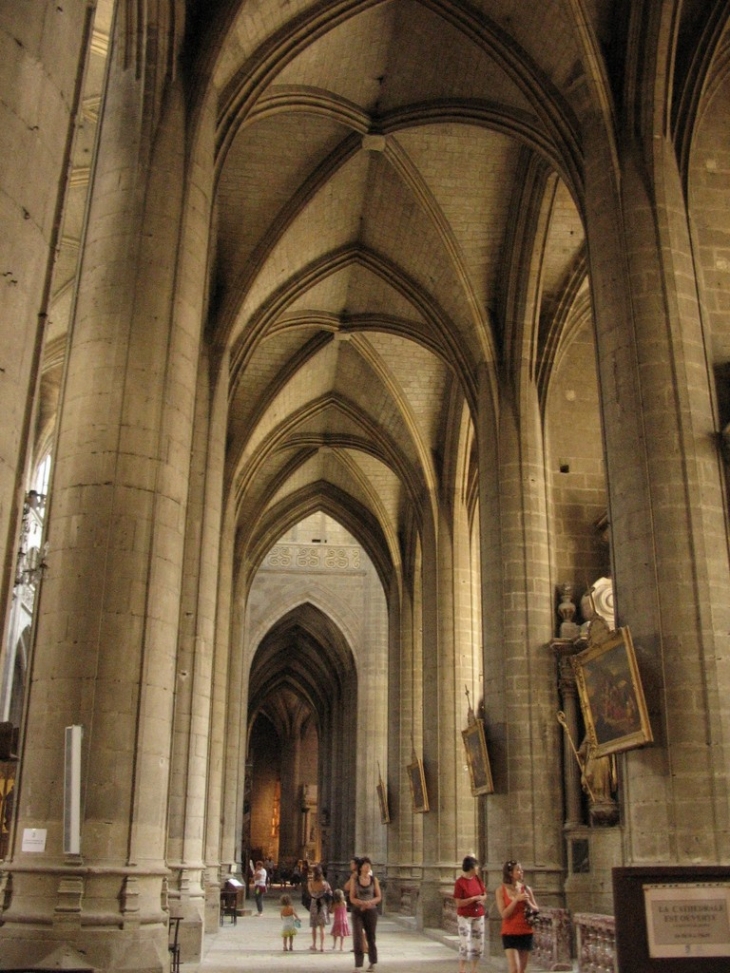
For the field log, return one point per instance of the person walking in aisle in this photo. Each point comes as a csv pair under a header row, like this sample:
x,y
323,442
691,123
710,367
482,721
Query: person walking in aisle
x,y
259,887
320,895
365,896
515,902
470,895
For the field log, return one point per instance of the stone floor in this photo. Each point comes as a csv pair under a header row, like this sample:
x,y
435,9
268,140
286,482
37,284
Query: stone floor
x,y
254,944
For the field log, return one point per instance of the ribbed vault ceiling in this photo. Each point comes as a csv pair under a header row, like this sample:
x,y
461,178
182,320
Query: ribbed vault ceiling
x,y
389,177
302,670
397,219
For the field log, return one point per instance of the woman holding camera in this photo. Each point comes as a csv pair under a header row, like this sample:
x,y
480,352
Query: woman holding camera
x,y
516,903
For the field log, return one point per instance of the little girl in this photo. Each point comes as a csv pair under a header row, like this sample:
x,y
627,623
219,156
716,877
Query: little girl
x,y
341,925
290,923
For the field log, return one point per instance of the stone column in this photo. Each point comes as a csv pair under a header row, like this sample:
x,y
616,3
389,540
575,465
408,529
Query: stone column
x,y
429,905
492,611
290,824
459,670
398,711
216,809
404,834
189,804
342,785
230,721
43,46
104,656
563,649
450,825
371,718
519,674
668,527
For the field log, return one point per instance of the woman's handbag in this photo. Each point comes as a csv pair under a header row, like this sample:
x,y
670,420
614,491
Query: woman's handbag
x,y
531,914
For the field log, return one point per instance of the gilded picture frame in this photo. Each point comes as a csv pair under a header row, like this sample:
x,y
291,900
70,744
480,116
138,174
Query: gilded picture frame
x,y
417,780
611,695
477,758
8,769
382,789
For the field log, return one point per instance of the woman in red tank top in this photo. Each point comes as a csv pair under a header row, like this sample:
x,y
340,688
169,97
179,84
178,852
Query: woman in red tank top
x,y
512,897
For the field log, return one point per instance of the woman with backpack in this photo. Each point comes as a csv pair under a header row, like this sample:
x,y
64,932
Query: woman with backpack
x,y
320,895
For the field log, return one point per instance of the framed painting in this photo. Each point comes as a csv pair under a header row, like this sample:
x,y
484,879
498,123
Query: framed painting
x,y
611,695
7,797
480,772
418,786
383,802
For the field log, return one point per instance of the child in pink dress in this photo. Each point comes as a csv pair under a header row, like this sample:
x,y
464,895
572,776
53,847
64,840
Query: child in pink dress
x,y
341,924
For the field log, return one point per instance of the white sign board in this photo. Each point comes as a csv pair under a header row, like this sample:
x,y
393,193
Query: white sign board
x,y
691,919
34,839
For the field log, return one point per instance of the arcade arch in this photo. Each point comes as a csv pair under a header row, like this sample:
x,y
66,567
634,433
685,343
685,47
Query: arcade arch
x,y
316,636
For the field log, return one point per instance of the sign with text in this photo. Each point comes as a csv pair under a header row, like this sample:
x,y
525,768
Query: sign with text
x,y
688,919
34,839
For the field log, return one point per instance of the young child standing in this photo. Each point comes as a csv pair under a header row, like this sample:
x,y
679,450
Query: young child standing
x,y
289,923
340,925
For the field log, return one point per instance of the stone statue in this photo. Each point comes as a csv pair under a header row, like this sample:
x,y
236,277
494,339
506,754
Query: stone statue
x,y
598,777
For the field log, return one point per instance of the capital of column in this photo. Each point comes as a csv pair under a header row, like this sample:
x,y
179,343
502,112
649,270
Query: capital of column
x,y
564,650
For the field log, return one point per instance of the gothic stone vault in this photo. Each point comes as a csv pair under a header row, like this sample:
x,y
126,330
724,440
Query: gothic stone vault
x,y
429,298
